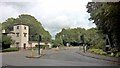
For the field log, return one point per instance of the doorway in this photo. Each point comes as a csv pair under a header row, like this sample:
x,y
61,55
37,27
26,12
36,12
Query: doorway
x,y
24,45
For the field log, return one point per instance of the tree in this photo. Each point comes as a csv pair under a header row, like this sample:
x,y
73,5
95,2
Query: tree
x,y
6,41
58,41
107,17
35,27
72,36
8,24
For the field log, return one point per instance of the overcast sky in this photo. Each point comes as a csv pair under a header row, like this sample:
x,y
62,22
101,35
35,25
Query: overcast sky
x,y
53,14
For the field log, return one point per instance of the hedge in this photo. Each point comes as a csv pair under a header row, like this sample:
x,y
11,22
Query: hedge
x,y
9,50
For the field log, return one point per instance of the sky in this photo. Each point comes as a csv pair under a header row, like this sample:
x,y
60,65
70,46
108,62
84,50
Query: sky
x,y
53,14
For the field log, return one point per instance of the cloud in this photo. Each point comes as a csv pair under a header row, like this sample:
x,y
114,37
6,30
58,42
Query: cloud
x,y
7,11
53,14
13,9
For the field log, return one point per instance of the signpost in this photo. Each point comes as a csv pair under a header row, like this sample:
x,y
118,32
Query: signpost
x,y
108,44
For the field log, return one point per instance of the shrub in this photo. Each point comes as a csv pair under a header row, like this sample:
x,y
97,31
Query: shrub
x,y
9,50
118,54
97,51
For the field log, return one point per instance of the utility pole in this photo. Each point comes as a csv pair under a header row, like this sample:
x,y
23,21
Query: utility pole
x,y
39,40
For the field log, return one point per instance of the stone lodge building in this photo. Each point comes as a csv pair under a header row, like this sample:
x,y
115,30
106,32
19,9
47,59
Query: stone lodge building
x,y
20,34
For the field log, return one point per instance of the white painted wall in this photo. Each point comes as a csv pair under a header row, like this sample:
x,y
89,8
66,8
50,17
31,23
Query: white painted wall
x,y
21,39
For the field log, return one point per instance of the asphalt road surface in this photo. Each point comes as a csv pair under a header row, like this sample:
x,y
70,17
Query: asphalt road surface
x,y
67,57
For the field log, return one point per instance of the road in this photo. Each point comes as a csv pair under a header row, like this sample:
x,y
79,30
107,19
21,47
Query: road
x,y
67,57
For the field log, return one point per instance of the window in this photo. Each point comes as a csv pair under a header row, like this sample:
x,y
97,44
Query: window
x,y
25,34
25,28
17,43
17,27
17,34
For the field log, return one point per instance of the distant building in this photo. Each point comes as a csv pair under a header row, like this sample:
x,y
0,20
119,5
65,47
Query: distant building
x,y
20,34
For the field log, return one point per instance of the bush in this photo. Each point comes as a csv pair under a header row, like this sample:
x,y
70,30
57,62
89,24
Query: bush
x,y
115,55
118,54
6,41
9,50
97,51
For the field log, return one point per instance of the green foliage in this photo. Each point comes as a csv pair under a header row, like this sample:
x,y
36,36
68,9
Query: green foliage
x,y
9,50
69,35
118,54
94,38
35,26
97,51
91,37
8,24
6,41
106,15
58,41
114,54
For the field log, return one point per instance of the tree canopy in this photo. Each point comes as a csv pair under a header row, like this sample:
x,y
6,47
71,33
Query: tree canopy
x,y
107,18
72,36
35,27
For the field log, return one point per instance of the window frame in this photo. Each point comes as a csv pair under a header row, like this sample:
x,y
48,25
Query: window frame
x,y
25,28
25,34
17,34
17,27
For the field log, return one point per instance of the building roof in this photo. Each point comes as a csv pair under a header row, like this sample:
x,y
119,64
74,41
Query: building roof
x,y
36,41
20,24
